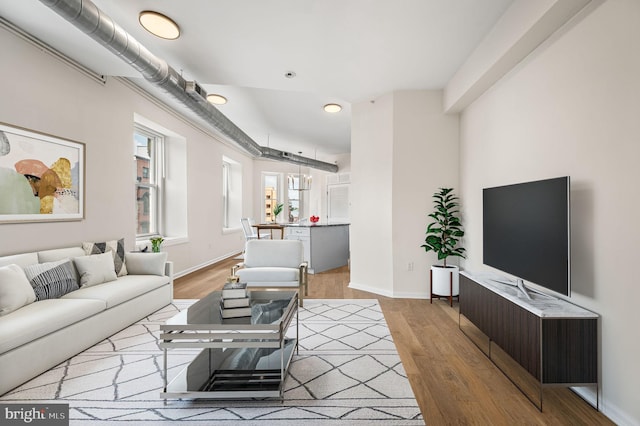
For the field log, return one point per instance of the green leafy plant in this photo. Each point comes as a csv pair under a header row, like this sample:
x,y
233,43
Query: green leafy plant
x,y
277,209
155,244
443,235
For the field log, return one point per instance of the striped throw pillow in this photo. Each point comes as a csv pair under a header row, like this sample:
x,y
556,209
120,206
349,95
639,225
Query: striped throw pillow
x,y
52,279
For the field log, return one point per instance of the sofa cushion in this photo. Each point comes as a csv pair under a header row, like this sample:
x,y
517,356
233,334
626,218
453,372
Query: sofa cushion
x,y
59,254
268,274
51,280
21,260
95,269
41,318
115,247
146,263
15,290
123,289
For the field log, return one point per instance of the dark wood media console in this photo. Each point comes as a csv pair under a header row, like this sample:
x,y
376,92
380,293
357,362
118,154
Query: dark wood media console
x,y
536,343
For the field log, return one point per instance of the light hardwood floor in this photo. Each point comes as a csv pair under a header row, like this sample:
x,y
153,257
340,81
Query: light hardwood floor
x,y
453,381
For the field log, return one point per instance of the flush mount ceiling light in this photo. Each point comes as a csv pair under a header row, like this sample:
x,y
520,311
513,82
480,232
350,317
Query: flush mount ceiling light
x,y
159,25
332,108
216,99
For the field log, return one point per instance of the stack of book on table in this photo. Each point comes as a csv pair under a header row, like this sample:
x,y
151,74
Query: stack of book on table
x,y
235,301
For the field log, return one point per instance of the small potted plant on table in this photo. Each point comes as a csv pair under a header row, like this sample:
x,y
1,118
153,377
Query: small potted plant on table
x,y
277,210
155,244
443,237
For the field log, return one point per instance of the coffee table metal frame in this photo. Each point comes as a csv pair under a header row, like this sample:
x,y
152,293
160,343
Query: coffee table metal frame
x,y
216,338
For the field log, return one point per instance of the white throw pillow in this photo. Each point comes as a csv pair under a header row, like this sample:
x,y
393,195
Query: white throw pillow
x,y
95,269
116,247
145,263
15,290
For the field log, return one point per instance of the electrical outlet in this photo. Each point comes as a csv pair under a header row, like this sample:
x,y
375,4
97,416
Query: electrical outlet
x,y
410,266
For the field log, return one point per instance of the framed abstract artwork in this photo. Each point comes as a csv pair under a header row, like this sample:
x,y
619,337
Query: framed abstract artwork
x,y
41,177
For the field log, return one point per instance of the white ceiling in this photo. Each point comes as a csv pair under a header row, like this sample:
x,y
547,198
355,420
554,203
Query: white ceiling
x,y
342,51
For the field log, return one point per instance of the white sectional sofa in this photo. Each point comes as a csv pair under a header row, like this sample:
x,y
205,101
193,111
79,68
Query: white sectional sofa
x,y
41,334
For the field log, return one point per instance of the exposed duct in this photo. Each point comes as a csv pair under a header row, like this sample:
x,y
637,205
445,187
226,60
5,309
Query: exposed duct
x,y
288,157
89,19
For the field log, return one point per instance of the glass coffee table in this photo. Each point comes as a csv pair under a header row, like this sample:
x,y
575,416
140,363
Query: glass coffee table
x,y
244,357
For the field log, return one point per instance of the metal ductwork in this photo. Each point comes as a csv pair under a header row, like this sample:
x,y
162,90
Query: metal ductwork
x,y
288,157
89,19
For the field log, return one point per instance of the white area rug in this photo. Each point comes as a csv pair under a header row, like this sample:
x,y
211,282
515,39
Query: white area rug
x,y
348,372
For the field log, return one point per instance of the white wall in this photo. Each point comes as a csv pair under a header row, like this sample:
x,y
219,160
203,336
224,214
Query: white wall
x,y
370,233
425,158
403,149
573,109
41,93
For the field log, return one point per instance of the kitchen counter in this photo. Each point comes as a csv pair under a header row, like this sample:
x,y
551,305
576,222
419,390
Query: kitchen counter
x,y
326,245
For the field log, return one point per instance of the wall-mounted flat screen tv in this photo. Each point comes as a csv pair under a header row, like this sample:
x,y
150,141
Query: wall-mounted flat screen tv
x,y
526,232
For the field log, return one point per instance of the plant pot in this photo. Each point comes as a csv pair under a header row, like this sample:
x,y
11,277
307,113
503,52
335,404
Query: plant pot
x,y
445,281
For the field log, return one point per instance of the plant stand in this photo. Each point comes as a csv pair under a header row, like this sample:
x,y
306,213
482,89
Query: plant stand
x,y
450,296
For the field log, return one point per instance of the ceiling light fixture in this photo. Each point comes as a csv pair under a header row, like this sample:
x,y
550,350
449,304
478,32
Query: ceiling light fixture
x,y
159,25
216,99
332,108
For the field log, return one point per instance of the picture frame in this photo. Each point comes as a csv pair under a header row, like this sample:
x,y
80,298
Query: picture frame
x,y
42,177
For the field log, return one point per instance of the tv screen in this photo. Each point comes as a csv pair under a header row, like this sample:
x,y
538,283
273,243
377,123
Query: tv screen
x,y
526,232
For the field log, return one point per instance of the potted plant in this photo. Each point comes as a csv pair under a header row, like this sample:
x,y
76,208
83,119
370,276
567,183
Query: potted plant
x,y
155,244
276,211
443,237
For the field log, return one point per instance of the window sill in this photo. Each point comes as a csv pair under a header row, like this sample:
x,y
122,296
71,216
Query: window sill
x,y
226,231
168,241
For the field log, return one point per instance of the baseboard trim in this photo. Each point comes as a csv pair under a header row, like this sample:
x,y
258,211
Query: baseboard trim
x,y
611,411
370,289
204,265
387,293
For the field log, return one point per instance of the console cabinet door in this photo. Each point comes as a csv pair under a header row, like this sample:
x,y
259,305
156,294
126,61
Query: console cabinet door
x,y
514,329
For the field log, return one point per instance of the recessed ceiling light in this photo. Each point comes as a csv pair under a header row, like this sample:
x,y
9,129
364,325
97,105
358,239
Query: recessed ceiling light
x,y
332,108
216,99
159,25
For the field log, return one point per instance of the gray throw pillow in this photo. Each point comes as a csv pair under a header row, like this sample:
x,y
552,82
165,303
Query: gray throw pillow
x,y
51,280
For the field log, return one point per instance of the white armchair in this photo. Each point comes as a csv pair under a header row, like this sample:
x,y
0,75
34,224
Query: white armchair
x,y
277,264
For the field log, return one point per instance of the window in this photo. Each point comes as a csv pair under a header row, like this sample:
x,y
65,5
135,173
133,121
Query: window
x,y
270,191
231,193
295,197
161,182
149,155
226,170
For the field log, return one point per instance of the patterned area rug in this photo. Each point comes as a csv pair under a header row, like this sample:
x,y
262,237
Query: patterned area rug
x,y
348,372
